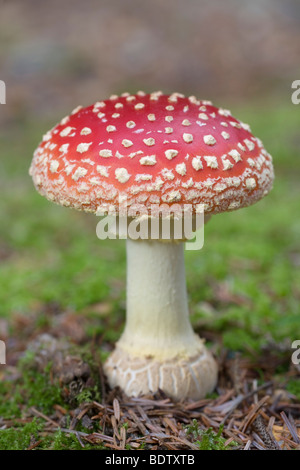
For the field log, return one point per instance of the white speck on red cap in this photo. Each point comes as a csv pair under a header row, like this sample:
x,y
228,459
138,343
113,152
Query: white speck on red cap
x,y
149,141
122,175
103,170
251,183
211,161
143,177
168,174
64,148
106,153
76,110
235,124
130,124
225,135
181,169
99,104
66,131
224,112
226,163
85,131
83,147
68,169
203,116
54,165
188,138
88,160
139,106
79,173
193,99
130,98
250,144
171,153
235,155
64,120
149,160
209,140
127,143
197,163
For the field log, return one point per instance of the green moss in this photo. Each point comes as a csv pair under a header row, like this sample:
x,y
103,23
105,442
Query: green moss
x,y
20,438
35,388
65,441
10,401
293,387
208,439
88,394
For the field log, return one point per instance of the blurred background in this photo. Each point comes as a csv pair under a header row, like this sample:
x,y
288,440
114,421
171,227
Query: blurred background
x,y
56,54
243,55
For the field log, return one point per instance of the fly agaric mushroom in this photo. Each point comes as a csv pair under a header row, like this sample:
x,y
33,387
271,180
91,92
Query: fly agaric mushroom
x,y
152,149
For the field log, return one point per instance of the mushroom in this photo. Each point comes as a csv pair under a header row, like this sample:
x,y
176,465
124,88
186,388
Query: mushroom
x,y
154,149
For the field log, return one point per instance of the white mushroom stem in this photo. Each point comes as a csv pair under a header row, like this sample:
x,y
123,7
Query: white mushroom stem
x,y
157,323
158,349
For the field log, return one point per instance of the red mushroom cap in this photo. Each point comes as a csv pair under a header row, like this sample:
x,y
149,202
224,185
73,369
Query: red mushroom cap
x,y
152,149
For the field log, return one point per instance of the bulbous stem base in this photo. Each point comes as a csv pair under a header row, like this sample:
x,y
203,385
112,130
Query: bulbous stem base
x,y
178,378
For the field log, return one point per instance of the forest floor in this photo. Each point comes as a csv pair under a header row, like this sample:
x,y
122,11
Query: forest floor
x,y
62,307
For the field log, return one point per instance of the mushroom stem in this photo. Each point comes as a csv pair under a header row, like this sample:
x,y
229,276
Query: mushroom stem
x,y
159,349
157,322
